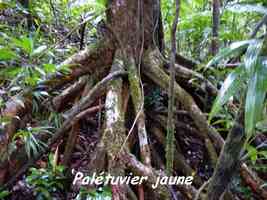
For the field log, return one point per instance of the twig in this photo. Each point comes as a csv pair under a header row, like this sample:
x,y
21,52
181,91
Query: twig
x,y
200,189
258,26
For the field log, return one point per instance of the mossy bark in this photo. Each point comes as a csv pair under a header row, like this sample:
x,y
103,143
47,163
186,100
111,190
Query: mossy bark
x,y
114,128
138,101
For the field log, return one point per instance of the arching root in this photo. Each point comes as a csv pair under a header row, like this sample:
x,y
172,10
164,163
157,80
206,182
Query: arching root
x,y
94,59
19,158
152,68
180,163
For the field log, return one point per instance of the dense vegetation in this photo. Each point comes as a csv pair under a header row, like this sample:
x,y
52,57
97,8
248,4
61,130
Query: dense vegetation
x,y
146,87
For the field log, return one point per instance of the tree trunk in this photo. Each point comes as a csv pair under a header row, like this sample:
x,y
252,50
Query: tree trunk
x,y
215,26
137,28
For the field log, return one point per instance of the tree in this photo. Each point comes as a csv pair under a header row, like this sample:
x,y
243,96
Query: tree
x,y
129,53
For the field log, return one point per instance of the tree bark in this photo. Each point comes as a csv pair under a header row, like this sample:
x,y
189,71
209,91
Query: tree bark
x,y
215,26
171,104
114,128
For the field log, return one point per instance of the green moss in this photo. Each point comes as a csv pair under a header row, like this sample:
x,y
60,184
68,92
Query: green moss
x,y
114,135
134,86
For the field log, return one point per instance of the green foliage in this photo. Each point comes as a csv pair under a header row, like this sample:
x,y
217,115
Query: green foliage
x,y
233,50
29,137
256,153
103,193
23,74
254,73
195,26
245,191
252,54
231,86
46,181
5,4
241,8
255,97
7,54
4,194
56,119
262,125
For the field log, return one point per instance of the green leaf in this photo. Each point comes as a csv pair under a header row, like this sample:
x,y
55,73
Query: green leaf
x,y
102,2
255,99
24,43
252,54
32,80
4,4
263,154
231,85
64,69
10,72
5,120
234,49
264,70
39,50
50,68
262,125
4,194
7,54
241,8
253,153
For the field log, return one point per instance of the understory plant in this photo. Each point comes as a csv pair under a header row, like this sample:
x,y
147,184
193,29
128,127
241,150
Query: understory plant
x,y
45,182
